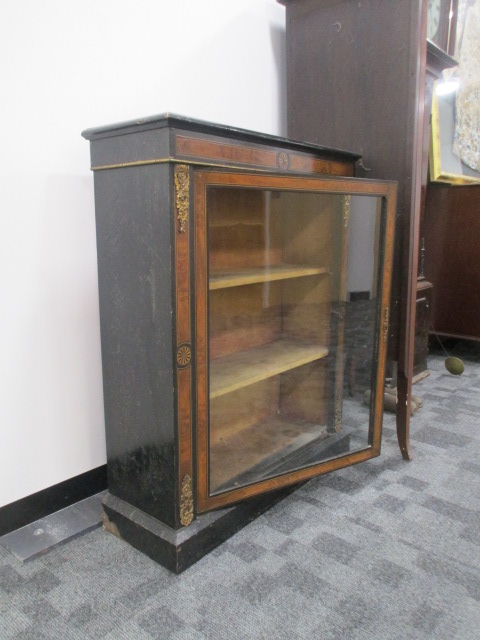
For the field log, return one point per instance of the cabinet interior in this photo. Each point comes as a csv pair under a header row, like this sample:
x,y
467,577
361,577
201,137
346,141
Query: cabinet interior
x,y
276,280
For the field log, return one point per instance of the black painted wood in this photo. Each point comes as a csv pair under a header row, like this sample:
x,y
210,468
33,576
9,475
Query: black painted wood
x,y
43,503
166,120
136,320
178,550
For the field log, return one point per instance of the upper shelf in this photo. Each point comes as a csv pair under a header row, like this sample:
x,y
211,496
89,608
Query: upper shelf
x,y
238,277
243,368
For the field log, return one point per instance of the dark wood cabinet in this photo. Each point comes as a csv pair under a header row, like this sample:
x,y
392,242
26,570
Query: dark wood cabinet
x,y
236,347
452,239
422,327
357,78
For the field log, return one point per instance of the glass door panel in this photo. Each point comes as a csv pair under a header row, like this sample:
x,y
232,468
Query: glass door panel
x,y
295,308
292,320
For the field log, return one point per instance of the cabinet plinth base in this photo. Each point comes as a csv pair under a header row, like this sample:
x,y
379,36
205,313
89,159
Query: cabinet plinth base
x,y
178,550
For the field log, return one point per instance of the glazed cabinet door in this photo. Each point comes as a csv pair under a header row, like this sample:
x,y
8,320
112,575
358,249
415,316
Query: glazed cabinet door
x,y
292,279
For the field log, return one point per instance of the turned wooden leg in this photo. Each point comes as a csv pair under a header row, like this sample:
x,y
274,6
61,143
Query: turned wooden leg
x,y
404,389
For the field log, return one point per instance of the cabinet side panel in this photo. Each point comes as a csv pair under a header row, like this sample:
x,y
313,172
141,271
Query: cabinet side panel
x,y
135,286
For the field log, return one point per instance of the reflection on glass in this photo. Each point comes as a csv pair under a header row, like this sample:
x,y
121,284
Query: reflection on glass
x,y
293,282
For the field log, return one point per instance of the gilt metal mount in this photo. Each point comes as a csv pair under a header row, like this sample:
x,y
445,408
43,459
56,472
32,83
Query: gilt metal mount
x,y
182,195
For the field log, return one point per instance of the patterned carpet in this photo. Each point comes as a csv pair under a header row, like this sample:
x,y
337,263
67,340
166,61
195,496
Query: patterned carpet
x,y
385,550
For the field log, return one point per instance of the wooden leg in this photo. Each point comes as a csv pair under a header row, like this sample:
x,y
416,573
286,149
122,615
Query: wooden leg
x,y
404,389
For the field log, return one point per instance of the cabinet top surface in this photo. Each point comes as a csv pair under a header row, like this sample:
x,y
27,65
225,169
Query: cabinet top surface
x,y
175,121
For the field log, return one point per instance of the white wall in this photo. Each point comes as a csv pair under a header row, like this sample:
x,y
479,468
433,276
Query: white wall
x,y
66,66
361,244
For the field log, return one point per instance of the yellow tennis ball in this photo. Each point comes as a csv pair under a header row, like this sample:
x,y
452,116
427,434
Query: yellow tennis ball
x,y
454,366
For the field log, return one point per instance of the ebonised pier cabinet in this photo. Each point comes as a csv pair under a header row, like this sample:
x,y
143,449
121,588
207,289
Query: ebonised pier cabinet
x,y
244,282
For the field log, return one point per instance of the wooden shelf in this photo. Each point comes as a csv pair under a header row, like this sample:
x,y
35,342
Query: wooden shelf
x,y
243,368
258,445
238,277
235,223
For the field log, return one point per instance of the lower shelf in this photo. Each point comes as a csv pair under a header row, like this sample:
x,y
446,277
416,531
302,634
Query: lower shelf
x,y
269,448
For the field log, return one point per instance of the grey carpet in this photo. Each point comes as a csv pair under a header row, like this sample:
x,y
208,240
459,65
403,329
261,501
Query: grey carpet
x,y
386,549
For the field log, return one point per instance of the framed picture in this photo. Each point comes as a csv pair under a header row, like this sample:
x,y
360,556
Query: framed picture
x,y
445,164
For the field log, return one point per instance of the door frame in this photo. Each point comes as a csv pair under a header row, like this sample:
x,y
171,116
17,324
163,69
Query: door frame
x,y
345,186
